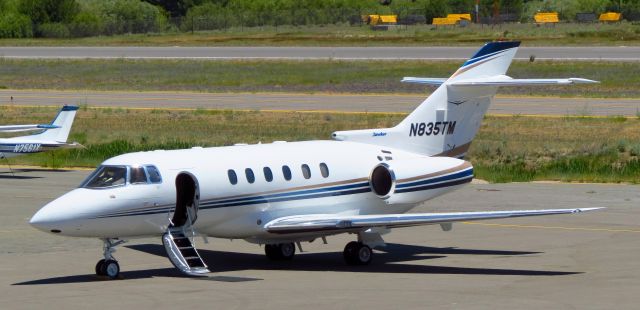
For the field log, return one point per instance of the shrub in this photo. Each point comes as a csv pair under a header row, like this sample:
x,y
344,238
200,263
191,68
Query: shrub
x,y
86,24
122,16
53,30
15,25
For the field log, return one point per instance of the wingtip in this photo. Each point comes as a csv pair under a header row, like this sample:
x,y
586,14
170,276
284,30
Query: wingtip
x,y
579,210
583,81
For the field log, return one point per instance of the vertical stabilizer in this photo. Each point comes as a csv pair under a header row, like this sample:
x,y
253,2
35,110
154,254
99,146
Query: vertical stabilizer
x,y
448,120
62,126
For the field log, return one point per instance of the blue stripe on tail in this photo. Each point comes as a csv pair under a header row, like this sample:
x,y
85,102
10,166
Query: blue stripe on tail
x,y
491,48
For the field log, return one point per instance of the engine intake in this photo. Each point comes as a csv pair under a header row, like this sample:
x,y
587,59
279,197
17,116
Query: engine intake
x,y
413,180
382,180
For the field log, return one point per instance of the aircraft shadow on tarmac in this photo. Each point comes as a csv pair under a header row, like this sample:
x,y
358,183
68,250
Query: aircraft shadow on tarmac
x,y
15,173
388,260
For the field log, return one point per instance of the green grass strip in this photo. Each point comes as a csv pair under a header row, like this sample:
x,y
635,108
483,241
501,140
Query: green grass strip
x,y
507,149
618,79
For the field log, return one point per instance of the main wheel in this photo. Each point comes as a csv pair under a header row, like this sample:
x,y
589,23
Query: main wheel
x,y
281,251
272,251
99,268
111,269
356,253
287,251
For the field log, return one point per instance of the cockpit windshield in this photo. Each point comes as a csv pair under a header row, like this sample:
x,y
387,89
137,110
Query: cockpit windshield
x,y
107,176
112,176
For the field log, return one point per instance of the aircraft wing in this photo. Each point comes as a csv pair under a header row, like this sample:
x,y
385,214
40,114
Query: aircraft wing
x,y
423,80
508,81
499,80
17,128
350,223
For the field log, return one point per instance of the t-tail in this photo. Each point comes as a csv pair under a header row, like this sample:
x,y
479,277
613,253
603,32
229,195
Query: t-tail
x,y
448,120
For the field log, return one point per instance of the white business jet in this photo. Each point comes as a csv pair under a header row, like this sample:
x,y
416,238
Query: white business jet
x,y
53,136
285,193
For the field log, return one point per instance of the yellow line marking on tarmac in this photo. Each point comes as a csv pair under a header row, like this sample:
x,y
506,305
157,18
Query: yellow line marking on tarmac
x,y
313,111
216,109
553,227
266,93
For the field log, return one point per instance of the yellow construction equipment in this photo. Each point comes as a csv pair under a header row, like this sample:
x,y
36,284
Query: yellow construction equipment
x,y
374,20
610,17
546,17
451,19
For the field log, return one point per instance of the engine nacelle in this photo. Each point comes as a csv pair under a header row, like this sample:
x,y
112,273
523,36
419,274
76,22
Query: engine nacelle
x,y
411,181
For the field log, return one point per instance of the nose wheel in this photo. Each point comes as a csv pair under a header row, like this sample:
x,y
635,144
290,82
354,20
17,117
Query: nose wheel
x,y
108,266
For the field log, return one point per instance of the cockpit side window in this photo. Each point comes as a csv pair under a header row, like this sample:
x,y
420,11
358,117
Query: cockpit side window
x,y
137,175
107,176
154,174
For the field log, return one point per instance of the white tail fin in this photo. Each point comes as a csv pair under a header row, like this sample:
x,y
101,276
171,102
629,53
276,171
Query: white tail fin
x,y
448,120
61,126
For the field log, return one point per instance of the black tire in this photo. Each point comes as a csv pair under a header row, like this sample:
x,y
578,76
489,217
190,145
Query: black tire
x,y
287,251
356,253
272,251
111,269
364,255
349,253
99,267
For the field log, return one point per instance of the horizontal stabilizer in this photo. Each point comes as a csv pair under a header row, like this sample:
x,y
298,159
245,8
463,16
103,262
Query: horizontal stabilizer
x,y
18,128
503,80
428,81
345,223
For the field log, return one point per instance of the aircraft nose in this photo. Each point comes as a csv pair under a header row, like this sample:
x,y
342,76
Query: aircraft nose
x,y
46,220
53,217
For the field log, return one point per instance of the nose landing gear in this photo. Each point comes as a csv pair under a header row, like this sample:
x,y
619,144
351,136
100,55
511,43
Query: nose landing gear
x,y
108,266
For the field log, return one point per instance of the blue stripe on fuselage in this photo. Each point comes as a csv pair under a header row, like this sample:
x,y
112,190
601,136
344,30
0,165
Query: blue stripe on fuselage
x,y
465,173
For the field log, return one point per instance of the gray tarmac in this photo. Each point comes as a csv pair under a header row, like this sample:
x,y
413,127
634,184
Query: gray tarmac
x,y
608,53
583,261
311,102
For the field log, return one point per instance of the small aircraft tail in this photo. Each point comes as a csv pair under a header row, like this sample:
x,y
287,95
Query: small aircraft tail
x,y
448,120
61,126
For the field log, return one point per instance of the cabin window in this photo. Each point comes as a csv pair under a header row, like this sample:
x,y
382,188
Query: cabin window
x,y
106,176
286,172
268,175
154,174
250,176
324,170
137,175
306,172
233,178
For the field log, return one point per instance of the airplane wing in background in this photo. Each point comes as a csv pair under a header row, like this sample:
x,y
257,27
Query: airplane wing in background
x,y
349,223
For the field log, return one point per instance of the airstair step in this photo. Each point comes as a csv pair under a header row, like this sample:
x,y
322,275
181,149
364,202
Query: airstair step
x,y
182,254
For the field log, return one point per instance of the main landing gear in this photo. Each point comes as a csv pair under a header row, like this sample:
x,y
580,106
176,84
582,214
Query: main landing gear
x,y
108,266
280,251
357,253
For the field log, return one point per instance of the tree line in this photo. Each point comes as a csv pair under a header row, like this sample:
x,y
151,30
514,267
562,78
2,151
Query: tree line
x,y
82,18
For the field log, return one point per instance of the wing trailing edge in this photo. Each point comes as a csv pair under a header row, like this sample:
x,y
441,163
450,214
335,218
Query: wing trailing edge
x,y
339,223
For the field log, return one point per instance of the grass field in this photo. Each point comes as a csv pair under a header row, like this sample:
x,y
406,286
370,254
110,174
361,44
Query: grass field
x,y
618,79
344,35
506,149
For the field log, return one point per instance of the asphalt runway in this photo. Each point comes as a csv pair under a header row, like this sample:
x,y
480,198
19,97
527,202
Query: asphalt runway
x,y
311,102
609,53
583,261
